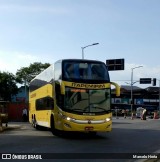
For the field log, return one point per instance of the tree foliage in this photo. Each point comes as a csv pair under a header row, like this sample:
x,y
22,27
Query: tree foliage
x,y
26,74
8,85
8,81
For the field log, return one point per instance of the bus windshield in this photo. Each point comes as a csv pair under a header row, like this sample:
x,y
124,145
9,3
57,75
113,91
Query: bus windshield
x,y
85,71
87,101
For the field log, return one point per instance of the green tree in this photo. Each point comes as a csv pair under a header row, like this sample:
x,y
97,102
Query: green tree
x,y
8,85
26,74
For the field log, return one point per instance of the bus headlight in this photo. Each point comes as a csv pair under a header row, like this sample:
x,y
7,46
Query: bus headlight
x,y
68,118
65,117
108,119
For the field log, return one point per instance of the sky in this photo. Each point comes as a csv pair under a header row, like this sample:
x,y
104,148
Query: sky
x,y
48,30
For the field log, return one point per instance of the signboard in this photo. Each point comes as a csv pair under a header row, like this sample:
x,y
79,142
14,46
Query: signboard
x,y
145,80
154,82
115,64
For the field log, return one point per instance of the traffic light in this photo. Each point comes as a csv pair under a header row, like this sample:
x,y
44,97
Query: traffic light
x,y
145,80
154,82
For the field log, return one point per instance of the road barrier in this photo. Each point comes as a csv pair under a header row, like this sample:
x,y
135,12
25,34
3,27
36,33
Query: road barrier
x,y
3,119
156,116
1,129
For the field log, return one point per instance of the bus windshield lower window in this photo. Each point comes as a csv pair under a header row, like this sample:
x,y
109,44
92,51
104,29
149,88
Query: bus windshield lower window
x,y
87,101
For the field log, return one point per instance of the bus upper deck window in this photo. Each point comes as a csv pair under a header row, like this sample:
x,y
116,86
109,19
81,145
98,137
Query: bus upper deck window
x,y
69,71
97,72
94,72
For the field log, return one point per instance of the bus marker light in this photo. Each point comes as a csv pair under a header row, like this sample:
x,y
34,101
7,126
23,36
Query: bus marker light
x,y
67,125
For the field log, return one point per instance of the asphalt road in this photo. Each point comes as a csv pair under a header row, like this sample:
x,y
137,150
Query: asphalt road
x,y
127,137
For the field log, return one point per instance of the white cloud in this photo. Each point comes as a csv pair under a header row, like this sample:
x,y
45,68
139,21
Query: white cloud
x,y
25,56
124,77
33,9
12,61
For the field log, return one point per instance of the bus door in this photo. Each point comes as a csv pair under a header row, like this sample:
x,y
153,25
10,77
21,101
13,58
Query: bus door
x,y
44,106
49,108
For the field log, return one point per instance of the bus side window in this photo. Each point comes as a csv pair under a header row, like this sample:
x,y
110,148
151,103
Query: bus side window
x,y
46,103
39,104
59,97
49,103
69,70
52,104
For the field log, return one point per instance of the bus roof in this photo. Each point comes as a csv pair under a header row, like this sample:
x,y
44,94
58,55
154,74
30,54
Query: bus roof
x,y
62,60
43,72
79,60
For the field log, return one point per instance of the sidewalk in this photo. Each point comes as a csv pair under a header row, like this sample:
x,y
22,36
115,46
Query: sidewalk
x,y
128,119
11,125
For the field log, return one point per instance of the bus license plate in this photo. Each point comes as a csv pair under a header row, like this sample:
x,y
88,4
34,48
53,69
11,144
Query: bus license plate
x,y
89,128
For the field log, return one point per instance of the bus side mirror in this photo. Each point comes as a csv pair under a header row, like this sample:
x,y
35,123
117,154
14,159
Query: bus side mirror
x,y
117,88
62,88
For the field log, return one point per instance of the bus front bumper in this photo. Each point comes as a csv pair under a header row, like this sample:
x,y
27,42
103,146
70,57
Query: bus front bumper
x,y
86,126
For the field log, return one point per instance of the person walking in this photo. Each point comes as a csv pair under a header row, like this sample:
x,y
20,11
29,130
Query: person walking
x,y
125,112
24,114
144,114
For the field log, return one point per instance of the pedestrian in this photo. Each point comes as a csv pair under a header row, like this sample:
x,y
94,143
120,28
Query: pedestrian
x,y
122,112
144,114
24,114
125,112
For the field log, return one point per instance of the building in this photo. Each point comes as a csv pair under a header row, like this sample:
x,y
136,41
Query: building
x,y
17,104
147,98
22,96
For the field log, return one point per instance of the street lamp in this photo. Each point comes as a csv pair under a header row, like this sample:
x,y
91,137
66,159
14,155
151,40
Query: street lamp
x,y
86,47
132,87
159,97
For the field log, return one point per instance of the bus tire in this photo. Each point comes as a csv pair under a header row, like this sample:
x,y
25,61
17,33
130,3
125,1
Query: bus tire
x,y
35,122
32,122
53,129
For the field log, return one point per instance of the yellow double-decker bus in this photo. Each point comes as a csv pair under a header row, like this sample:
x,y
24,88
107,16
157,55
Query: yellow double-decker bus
x,y
72,95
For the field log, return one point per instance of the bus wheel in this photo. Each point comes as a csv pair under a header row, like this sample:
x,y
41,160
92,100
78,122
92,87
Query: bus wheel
x,y
53,129
34,122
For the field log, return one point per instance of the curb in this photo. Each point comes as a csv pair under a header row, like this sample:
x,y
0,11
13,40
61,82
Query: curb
x,y
1,128
12,126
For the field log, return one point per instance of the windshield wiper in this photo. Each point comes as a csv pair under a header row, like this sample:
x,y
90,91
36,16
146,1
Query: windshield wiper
x,y
95,107
77,109
101,108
